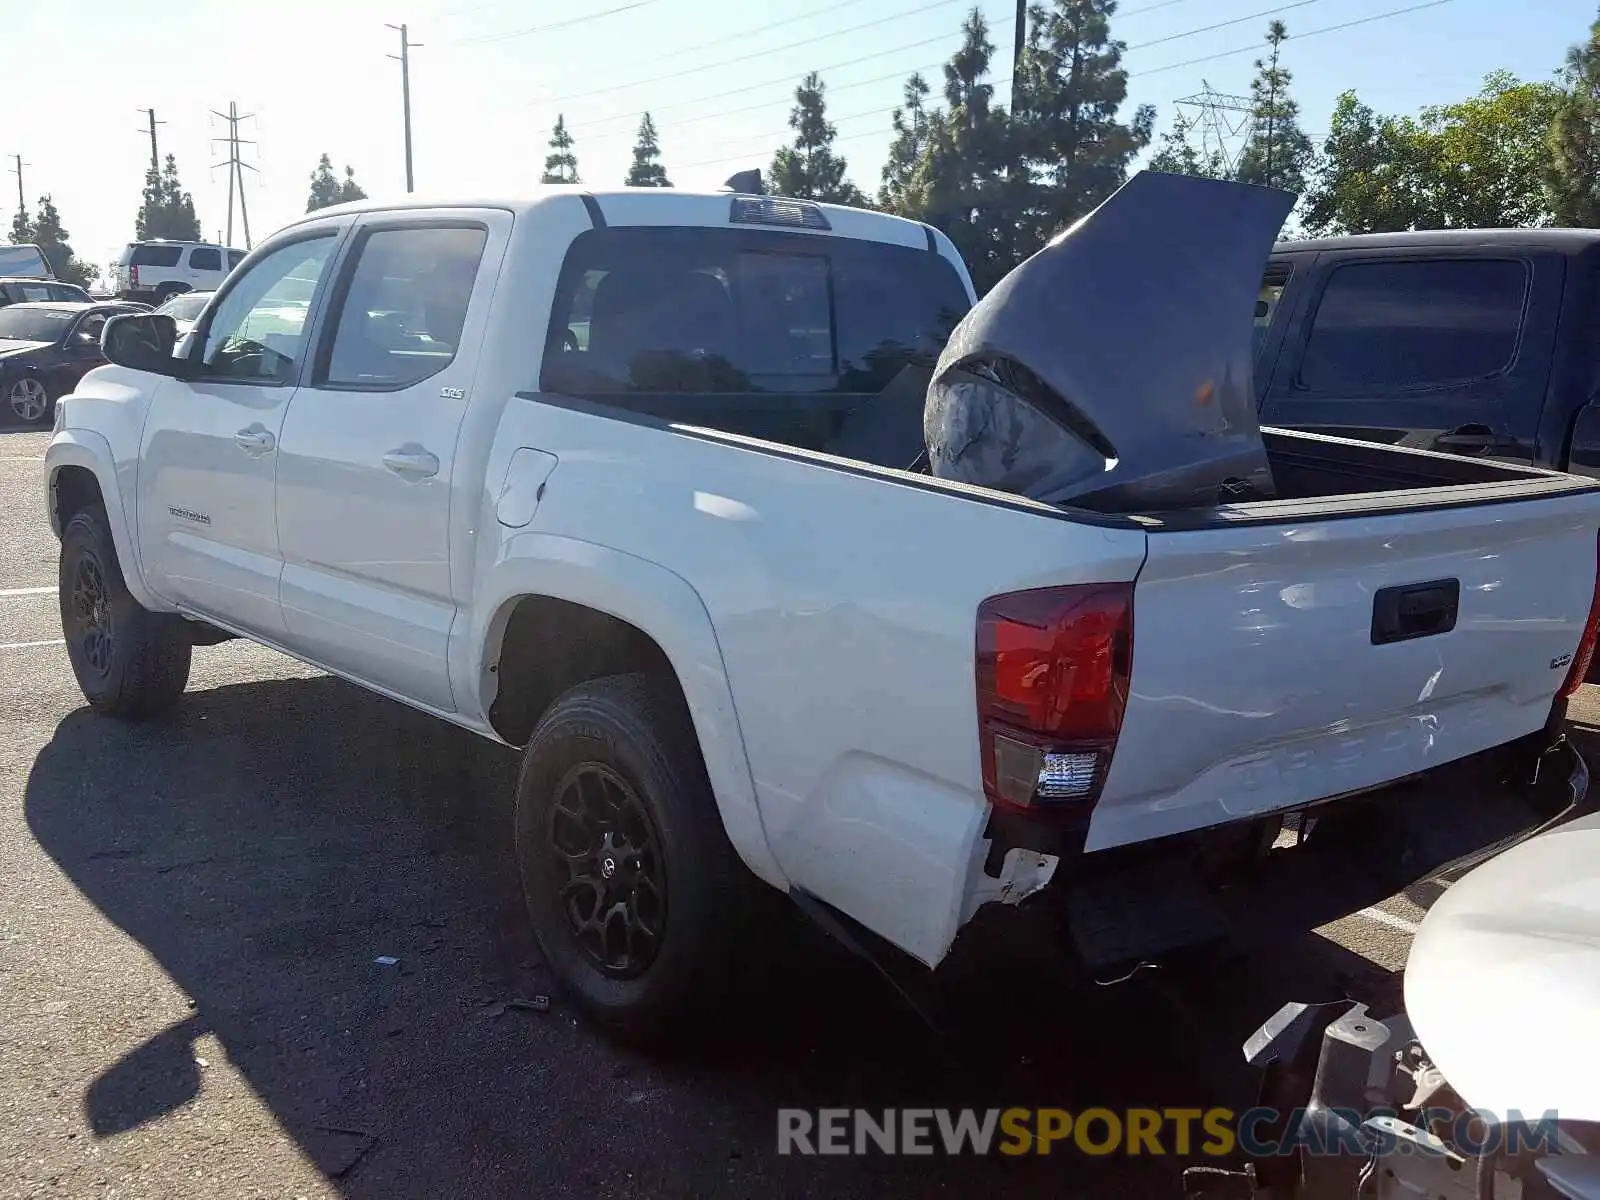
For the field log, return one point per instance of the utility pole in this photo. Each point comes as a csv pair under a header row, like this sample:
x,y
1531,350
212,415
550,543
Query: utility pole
x,y
155,155
236,167
1020,37
406,46
22,203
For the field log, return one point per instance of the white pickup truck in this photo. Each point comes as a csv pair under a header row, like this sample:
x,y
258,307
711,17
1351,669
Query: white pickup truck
x,y
635,480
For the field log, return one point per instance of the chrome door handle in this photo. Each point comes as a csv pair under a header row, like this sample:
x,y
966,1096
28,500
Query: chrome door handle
x,y
412,463
254,440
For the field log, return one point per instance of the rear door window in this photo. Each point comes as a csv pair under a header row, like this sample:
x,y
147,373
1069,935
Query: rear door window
x,y
155,256
785,336
205,258
235,257
1387,326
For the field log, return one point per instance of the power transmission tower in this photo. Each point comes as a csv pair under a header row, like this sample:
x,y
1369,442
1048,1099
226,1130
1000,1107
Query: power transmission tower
x,y
236,167
155,155
1224,122
22,203
406,47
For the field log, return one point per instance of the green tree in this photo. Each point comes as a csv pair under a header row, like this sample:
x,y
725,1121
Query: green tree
x,y
646,169
1072,88
1277,153
912,126
962,185
809,169
561,164
1475,164
350,189
168,210
1572,174
1179,155
324,186
46,231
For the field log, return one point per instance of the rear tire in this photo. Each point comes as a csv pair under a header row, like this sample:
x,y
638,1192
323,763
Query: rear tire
x,y
639,902
130,662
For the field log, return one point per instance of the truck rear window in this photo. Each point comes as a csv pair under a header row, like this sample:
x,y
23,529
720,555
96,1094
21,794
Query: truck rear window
x,y
777,335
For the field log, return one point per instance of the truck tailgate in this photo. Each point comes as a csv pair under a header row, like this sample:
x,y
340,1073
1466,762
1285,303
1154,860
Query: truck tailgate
x,y
1261,682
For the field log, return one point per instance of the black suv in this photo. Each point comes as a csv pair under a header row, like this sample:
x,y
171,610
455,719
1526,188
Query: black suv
x,y
1477,342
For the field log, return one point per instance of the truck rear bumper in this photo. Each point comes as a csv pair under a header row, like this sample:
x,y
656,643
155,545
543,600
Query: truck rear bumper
x,y
1255,883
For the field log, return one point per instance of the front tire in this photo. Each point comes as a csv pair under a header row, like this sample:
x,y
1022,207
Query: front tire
x,y
29,399
638,900
129,662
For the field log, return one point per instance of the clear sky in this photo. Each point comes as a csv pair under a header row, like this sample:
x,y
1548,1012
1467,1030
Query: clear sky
x,y
490,76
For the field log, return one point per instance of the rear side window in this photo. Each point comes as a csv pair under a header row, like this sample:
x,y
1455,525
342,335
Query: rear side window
x,y
739,311
1394,325
155,256
205,258
400,317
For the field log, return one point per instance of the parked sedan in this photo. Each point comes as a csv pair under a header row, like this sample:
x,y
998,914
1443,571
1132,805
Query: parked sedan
x,y
46,348
27,291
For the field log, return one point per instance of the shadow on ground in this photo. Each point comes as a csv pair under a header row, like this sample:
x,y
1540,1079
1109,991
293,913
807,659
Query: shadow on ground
x,y
274,838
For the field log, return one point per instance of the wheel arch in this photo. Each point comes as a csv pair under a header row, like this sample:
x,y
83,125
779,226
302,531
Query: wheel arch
x,y
78,473
559,612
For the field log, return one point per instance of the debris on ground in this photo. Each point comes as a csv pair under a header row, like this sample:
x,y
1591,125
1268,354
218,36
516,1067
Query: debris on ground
x,y
538,1003
387,960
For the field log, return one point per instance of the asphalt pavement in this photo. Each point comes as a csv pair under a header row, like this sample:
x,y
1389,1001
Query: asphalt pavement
x,y
191,914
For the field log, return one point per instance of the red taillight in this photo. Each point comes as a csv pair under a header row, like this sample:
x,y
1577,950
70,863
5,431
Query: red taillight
x,y
1579,671
1053,669
133,276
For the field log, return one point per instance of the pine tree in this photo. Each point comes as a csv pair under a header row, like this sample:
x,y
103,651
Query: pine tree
x,y
51,237
324,186
809,169
168,210
647,170
350,189
962,185
561,164
1072,87
1177,154
1572,175
912,129
21,228
1278,153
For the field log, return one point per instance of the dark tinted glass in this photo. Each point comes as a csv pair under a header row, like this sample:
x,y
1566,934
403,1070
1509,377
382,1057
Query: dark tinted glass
x,y
819,342
713,310
67,292
402,316
205,258
235,257
1412,324
156,256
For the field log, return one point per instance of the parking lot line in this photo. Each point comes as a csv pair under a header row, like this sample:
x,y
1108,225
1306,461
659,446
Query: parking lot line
x,y
26,645
34,591
1389,919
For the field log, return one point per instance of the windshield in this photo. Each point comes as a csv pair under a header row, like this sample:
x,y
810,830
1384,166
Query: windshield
x,y
24,323
186,307
801,339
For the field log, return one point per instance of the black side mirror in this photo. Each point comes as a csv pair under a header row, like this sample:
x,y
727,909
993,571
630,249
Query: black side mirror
x,y
143,342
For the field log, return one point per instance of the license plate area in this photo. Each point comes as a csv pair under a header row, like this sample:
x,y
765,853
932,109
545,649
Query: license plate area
x,y
1415,610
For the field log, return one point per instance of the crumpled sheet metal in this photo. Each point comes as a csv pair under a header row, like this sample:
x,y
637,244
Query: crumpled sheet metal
x,y
1135,324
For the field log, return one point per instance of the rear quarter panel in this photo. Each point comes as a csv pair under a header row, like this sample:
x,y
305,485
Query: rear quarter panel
x,y
844,605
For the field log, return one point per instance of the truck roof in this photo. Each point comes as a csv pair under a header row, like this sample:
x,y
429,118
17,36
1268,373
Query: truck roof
x,y
1564,241
653,206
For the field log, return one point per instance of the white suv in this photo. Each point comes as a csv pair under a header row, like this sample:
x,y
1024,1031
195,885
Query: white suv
x,y
156,271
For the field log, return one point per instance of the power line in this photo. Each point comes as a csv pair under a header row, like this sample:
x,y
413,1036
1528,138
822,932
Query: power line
x,y
1397,12
787,80
1256,16
728,62
529,32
